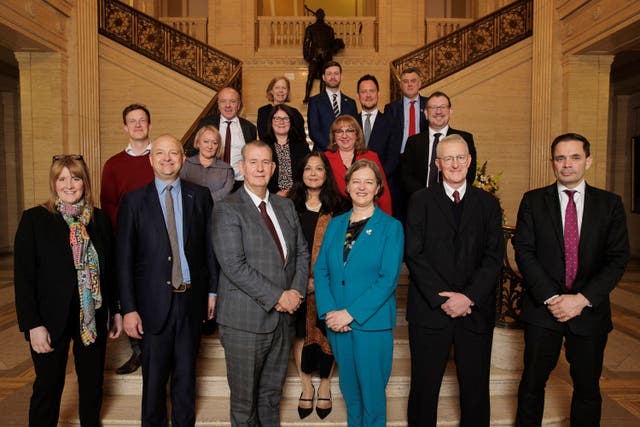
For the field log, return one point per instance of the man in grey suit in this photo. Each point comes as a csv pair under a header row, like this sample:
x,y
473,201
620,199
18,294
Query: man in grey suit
x,y
264,267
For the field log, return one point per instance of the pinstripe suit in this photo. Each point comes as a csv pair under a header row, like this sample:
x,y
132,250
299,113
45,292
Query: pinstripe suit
x,y
257,338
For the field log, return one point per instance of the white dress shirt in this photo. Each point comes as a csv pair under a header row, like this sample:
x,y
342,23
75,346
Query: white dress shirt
x,y
256,201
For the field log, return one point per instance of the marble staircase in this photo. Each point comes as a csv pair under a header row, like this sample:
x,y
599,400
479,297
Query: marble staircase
x,y
123,392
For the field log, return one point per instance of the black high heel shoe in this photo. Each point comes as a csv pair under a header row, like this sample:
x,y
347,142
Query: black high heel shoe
x,y
323,412
305,412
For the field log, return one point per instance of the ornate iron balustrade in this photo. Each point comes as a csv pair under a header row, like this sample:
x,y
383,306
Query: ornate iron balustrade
x,y
466,46
166,45
508,288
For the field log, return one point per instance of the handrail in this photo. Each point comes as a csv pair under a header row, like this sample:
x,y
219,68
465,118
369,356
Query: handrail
x,y
166,45
466,46
509,288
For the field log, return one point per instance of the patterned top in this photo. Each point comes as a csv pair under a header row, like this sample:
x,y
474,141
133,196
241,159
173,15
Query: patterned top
x,y
285,174
353,231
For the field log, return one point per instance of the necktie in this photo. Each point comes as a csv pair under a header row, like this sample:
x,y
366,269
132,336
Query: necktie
x,y
227,143
456,197
367,129
571,240
334,104
176,267
412,118
271,227
433,170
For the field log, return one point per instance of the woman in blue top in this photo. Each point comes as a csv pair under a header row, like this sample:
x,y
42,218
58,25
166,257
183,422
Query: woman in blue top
x,y
356,274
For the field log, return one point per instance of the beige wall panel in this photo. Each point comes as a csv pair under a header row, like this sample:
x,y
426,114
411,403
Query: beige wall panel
x,y
403,28
492,100
126,78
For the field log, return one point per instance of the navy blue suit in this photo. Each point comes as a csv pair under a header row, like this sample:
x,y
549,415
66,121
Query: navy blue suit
x,y
170,320
320,117
395,110
365,286
385,140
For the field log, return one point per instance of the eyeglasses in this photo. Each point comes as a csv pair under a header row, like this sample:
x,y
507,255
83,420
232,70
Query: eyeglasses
x,y
281,119
349,131
59,157
437,107
461,158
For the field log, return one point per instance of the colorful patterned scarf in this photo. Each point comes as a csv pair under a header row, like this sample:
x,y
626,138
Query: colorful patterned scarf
x,y
85,259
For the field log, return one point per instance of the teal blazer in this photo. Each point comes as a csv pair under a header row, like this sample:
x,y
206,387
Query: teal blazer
x,y
364,285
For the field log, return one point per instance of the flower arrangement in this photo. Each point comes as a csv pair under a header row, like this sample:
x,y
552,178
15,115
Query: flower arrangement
x,y
489,183
486,181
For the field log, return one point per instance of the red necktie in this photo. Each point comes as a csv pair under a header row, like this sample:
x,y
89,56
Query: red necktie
x,y
571,240
456,197
412,118
271,227
227,143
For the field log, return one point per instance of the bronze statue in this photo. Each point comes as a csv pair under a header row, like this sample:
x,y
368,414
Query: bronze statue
x,y
320,44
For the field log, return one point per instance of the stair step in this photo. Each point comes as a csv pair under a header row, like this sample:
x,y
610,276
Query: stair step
x,y
212,380
214,411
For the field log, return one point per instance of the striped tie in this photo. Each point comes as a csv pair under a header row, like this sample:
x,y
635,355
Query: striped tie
x,y
334,105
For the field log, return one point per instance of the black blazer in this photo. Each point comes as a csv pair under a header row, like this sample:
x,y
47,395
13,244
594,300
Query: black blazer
x,y
248,129
444,256
385,140
44,273
415,160
603,254
144,253
395,110
263,121
297,151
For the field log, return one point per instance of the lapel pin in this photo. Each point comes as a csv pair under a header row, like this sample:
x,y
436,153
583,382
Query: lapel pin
x,y
369,231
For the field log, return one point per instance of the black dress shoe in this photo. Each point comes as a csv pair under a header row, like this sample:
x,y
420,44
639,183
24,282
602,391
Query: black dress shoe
x,y
130,365
305,412
323,412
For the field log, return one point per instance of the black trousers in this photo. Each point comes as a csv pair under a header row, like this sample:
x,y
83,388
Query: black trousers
x,y
50,369
429,354
542,350
171,353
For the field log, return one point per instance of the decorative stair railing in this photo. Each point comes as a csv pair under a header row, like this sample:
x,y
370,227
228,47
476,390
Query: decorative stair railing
x,y
508,288
171,48
466,46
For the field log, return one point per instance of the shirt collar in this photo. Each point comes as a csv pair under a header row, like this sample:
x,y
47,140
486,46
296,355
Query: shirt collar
x,y
442,132
578,188
449,190
330,94
161,186
129,151
255,199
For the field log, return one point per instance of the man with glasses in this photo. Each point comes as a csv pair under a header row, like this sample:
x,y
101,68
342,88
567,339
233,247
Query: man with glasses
x,y
418,165
454,249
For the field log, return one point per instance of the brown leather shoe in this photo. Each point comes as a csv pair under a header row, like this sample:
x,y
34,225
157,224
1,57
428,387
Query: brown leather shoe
x,y
130,365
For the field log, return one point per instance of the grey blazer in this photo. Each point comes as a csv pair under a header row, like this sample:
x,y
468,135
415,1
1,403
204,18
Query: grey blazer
x,y
252,276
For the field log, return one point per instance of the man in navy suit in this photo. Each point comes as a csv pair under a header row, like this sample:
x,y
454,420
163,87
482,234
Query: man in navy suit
x,y
380,134
167,278
326,106
408,117
454,250
572,247
419,167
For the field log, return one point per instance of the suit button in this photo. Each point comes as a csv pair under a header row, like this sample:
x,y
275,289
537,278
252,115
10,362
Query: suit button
x,y
343,283
169,259
168,282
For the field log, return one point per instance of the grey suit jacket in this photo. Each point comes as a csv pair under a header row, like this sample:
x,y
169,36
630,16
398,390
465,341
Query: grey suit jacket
x,y
252,276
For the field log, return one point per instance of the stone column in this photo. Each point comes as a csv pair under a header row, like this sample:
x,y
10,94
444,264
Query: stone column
x,y
586,101
84,89
541,92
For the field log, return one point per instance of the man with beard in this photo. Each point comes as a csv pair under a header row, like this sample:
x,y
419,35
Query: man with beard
x,y
326,106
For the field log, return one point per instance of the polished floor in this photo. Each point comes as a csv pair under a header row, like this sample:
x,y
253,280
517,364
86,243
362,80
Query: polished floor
x,y
620,379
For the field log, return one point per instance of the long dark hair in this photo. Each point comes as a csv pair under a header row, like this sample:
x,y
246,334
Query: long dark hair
x,y
293,136
331,199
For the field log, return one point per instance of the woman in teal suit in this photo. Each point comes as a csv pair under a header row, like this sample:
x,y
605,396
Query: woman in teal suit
x,y
356,273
